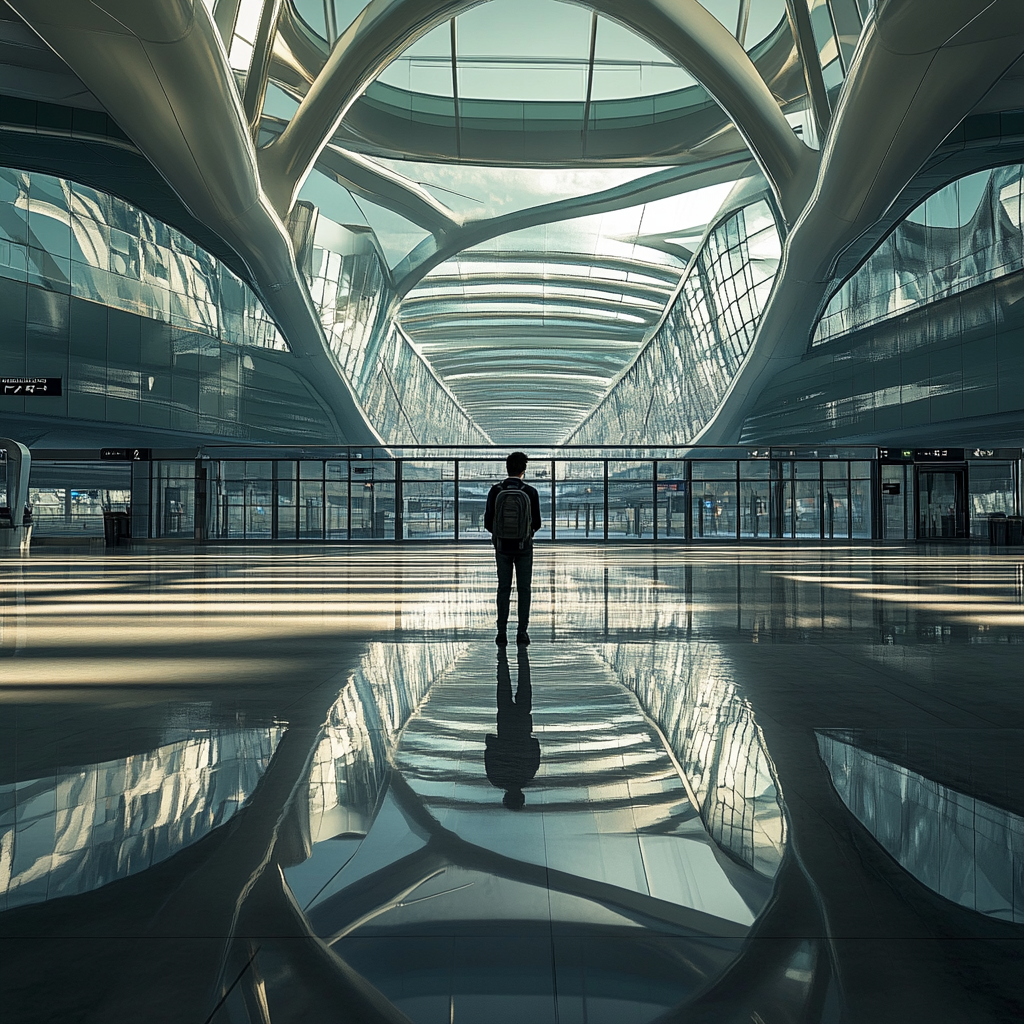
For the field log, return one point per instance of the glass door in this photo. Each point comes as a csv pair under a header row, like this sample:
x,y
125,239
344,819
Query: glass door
x,y
941,503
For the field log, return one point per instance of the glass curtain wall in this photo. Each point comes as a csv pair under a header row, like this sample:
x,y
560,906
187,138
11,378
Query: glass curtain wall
x,y
992,493
373,500
583,499
579,499
68,499
174,500
679,379
428,500
673,499
715,503
967,233
755,499
70,238
475,480
630,500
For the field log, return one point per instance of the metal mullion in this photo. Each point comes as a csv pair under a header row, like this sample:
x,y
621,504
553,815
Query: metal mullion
x,y
456,502
554,509
654,491
821,502
273,500
606,520
455,91
849,501
688,507
330,22
741,21
590,80
739,504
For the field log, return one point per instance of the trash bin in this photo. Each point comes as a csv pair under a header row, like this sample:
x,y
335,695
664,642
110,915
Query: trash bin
x,y
997,528
1014,530
117,527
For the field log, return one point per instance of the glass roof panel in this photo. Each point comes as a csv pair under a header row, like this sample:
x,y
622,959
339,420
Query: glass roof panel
x,y
560,307
477,192
424,67
533,50
312,13
396,235
345,12
333,199
517,28
626,65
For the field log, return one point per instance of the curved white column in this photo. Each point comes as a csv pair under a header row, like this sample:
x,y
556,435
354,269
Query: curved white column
x,y
920,68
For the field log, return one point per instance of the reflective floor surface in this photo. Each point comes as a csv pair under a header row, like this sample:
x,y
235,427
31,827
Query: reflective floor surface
x,y
769,785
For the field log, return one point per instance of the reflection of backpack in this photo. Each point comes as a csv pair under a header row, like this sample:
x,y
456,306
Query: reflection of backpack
x,y
512,520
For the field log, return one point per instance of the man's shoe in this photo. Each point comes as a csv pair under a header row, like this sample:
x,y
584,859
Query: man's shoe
x,y
523,639
501,640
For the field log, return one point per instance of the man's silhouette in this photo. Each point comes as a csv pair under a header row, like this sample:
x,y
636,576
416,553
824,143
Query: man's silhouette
x,y
512,517
513,756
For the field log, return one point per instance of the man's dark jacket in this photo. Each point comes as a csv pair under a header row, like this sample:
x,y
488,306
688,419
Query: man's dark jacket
x,y
535,522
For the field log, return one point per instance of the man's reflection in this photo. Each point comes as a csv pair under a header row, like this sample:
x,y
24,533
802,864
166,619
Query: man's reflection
x,y
513,756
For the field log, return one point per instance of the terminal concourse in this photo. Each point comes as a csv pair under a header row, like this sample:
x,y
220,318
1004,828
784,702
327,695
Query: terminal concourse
x,y
291,290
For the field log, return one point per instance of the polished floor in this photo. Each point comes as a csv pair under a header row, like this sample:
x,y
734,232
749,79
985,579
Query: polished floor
x,y
769,784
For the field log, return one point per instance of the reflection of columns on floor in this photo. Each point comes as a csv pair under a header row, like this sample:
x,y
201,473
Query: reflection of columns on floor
x,y
874,936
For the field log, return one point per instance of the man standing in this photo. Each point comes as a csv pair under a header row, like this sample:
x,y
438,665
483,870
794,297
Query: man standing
x,y
512,517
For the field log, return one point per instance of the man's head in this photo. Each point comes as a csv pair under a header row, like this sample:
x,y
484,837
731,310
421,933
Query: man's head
x,y
515,464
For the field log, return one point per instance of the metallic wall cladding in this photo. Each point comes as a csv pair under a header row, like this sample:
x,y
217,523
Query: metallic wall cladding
x,y
958,359
147,328
679,379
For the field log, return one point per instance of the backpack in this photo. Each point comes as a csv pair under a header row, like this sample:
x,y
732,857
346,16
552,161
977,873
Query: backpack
x,y
512,518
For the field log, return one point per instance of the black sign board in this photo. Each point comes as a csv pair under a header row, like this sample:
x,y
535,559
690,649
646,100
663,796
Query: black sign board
x,y
896,454
890,487
938,455
1005,454
31,387
127,454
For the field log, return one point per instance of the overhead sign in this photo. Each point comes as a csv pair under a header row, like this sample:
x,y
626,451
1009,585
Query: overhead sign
x,y
127,454
896,454
993,453
938,454
31,387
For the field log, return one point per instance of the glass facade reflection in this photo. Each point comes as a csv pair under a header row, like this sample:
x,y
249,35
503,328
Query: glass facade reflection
x,y
352,758
72,239
961,847
681,376
88,826
713,735
966,234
